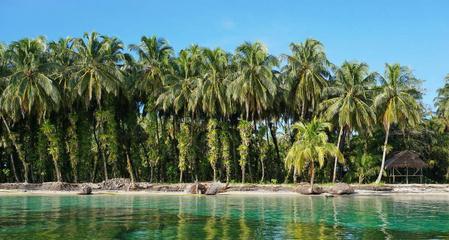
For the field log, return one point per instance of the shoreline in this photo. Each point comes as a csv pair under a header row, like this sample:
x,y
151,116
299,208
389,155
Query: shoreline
x,y
145,188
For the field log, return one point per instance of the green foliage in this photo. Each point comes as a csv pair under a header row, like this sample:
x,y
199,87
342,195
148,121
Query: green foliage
x,y
72,145
311,145
245,130
213,145
184,147
107,134
78,108
54,149
226,151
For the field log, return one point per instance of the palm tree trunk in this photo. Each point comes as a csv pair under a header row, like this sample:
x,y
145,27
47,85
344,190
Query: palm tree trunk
x,y
94,171
295,176
130,168
263,170
334,176
243,173
275,141
11,158
19,152
215,173
312,175
180,176
57,170
105,167
379,177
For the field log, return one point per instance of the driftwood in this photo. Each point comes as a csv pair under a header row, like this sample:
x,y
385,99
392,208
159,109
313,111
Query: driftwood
x,y
195,188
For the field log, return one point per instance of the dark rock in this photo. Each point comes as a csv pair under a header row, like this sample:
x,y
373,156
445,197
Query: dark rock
x,y
85,190
215,187
307,190
340,189
195,188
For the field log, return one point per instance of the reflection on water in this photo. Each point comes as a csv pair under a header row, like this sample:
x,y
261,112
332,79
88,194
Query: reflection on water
x,y
223,217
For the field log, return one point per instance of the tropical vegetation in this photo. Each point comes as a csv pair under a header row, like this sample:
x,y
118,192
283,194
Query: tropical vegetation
x,y
90,109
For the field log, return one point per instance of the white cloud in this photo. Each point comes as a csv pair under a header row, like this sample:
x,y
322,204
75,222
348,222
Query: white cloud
x,y
228,24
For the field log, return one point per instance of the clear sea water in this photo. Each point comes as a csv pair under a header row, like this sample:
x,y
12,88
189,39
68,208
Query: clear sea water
x,y
223,217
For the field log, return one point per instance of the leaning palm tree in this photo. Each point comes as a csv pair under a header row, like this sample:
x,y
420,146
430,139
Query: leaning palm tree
x,y
396,103
349,101
253,86
306,72
30,91
311,145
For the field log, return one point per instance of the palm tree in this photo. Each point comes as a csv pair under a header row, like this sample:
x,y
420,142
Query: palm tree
x,y
442,99
4,69
154,61
181,82
349,100
311,145
396,103
95,70
211,91
306,72
63,55
30,87
253,86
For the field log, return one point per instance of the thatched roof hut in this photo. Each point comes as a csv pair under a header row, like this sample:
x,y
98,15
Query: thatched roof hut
x,y
398,166
405,159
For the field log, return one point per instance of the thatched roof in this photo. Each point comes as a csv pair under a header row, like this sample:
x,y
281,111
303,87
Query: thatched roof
x,y
405,159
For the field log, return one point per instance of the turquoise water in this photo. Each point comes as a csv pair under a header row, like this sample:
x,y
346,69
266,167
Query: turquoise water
x,y
223,217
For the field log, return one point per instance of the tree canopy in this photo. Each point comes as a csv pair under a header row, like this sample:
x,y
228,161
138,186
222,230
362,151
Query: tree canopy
x,y
90,108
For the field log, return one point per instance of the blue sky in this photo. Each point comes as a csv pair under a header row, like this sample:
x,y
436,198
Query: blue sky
x,y
414,33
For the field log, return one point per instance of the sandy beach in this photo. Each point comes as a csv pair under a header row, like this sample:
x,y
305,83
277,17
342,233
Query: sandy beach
x,y
144,188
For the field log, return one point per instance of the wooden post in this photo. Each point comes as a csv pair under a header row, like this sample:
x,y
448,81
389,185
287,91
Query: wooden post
x,y
407,176
420,177
394,178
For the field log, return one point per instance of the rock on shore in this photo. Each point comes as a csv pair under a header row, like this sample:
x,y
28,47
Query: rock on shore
x,y
341,189
85,190
305,189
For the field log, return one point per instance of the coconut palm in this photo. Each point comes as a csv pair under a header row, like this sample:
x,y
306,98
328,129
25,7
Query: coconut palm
x,y
349,101
306,72
30,88
95,70
211,91
396,103
3,62
154,60
253,86
63,55
30,91
181,82
442,99
311,145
